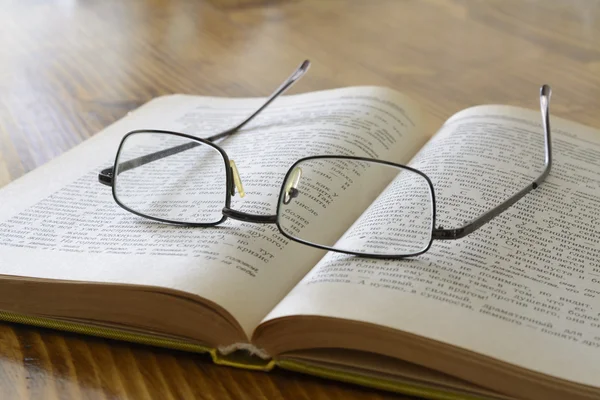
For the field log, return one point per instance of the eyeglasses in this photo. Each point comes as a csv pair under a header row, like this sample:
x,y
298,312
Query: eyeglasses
x,y
181,179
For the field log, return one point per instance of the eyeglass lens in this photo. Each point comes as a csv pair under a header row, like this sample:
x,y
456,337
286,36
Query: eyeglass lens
x,y
187,187
399,222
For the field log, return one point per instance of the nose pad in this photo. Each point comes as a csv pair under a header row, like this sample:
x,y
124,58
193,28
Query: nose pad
x,y
237,181
291,186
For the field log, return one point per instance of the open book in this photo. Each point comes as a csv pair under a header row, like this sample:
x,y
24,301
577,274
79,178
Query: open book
x,y
511,311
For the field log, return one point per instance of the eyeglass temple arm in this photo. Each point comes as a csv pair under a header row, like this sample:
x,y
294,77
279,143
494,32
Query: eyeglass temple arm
x,y
445,234
106,175
289,82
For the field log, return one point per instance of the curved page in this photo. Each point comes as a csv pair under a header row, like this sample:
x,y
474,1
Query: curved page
x,y
523,289
58,222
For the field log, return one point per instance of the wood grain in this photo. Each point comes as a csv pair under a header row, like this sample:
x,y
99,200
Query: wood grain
x,y
68,69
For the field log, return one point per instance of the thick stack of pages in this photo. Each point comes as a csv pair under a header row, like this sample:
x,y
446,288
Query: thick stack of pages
x,y
511,311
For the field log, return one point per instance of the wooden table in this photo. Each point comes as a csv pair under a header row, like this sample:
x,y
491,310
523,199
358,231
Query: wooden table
x,y
68,69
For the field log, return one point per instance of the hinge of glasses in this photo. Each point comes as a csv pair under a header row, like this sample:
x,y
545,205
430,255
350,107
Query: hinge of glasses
x,y
105,176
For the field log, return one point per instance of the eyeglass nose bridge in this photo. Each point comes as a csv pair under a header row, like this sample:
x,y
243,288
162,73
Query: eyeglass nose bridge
x,y
236,183
245,217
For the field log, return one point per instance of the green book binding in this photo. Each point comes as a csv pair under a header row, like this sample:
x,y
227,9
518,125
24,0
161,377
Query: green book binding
x,y
238,359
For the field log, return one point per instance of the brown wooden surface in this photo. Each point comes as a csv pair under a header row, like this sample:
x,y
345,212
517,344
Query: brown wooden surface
x,y
69,68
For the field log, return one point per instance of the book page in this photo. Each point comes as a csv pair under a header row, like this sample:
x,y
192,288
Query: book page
x,y
58,222
525,288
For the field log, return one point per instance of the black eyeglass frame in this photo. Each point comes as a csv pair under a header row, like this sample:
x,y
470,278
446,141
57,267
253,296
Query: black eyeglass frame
x,y
107,178
370,160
